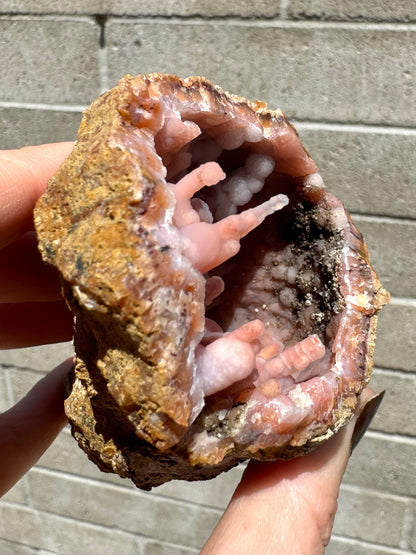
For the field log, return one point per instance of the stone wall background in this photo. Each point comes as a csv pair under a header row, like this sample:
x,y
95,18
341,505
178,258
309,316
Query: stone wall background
x,y
344,71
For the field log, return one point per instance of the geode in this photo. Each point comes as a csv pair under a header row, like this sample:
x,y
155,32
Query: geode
x,y
224,303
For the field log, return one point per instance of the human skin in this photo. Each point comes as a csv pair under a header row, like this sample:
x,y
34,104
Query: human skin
x,y
32,310
279,507
286,507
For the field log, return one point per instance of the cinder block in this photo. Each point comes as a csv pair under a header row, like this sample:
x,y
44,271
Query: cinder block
x,y
392,247
371,172
396,413
384,464
370,516
214,493
62,536
348,10
207,8
123,509
51,61
313,72
35,126
396,336
42,357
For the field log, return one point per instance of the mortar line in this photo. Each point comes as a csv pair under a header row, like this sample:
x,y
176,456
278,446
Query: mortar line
x,y
392,437
282,16
389,550
353,488
304,124
41,106
404,371
192,18
394,373
403,301
351,127
200,19
272,21
171,544
25,544
14,366
382,219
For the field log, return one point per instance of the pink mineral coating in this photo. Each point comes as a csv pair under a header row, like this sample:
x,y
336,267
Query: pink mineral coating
x,y
204,175
296,358
225,305
229,358
208,245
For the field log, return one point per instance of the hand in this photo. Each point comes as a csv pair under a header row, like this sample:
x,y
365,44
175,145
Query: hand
x,y
32,310
280,507
288,507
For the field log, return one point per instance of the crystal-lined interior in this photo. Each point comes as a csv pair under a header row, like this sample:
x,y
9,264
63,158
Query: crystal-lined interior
x,y
219,174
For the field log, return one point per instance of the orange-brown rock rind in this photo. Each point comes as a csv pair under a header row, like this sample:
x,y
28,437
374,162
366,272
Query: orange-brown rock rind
x,y
94,224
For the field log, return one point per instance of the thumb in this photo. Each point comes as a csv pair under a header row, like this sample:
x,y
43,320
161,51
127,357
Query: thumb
x,y
24,174
286,507
28,428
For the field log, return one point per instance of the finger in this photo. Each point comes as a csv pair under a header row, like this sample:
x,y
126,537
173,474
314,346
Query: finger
x,y
24,277
285,507
28,428
24,174
27,324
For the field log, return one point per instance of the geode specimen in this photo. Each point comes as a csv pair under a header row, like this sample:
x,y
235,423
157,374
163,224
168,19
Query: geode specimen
x,y
225,307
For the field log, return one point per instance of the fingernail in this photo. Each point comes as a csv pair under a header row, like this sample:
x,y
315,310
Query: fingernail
x,y
365,417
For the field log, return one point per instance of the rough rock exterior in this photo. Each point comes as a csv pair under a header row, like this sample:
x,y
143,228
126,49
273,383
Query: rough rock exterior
x,y
136,404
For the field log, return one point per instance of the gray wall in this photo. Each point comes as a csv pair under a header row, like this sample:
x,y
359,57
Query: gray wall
x,y
345,72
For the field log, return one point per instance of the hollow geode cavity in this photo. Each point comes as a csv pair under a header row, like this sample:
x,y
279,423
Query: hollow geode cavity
x,y
225,307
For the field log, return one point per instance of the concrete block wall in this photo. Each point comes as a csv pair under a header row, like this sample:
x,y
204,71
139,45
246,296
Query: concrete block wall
x,y
344,71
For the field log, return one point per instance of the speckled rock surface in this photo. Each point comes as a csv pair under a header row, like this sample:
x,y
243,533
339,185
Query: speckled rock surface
x,y
137,404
